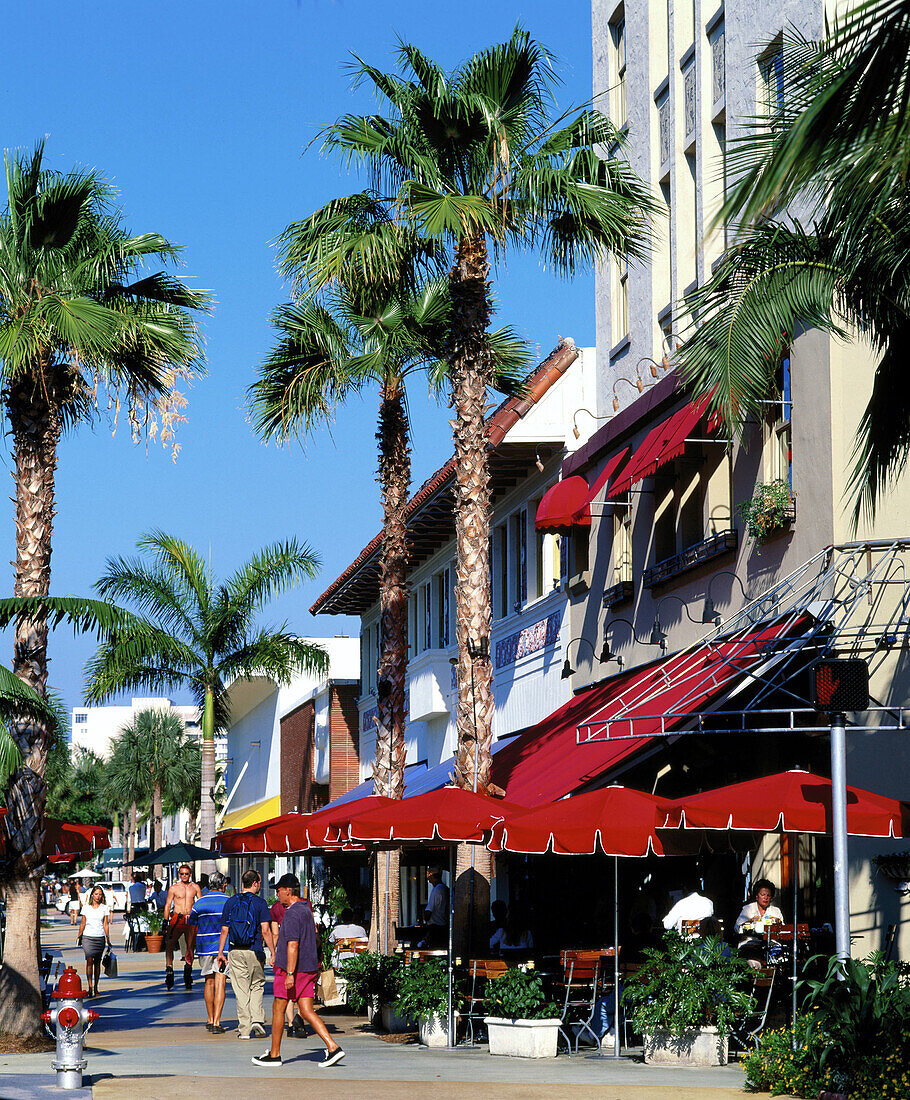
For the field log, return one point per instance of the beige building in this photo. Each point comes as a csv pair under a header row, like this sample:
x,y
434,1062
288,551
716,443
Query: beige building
x,y
667,542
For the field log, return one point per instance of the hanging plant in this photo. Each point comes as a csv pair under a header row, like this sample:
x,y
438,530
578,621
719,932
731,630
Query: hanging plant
x,y
771,507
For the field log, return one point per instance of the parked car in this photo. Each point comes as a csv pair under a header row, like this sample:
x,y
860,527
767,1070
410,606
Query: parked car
x,y
115,895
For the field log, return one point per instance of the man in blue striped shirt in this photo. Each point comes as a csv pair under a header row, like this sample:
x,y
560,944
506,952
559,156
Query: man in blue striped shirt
x,y
206,917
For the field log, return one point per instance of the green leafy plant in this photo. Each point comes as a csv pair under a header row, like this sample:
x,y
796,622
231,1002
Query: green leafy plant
x,y
519,995
688,984
774,1066
154,922
373,979
424,990
767,511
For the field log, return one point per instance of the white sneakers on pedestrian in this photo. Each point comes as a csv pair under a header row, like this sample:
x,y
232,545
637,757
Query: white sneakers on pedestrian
x,y
331,1057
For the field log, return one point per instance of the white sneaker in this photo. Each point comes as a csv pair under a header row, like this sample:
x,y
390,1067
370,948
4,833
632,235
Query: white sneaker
x,y
258,1030
330,1058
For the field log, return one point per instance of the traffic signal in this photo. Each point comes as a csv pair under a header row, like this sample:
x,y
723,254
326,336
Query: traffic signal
x,y
840,685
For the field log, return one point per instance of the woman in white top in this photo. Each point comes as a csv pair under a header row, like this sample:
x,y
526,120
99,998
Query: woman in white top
x,y
759,909
94,934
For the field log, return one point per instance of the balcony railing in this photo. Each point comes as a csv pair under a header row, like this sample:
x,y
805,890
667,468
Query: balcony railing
x,y
691,558
618,593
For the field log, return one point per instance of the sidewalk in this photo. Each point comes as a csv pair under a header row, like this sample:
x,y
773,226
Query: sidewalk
x,y
152,1045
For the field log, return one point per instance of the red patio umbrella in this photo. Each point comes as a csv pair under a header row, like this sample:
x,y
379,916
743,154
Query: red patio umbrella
x,y
791,802
66,839
619,821
449,814
289,832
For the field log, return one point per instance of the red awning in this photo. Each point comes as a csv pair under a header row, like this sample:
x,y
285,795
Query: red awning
x,y
450,814
664,442
792,802
617,821
70,839
289,832
612,465
561,754
564,505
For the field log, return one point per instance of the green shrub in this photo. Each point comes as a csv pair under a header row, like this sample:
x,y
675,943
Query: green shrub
x,y
373,979
154,922
688,984
424,990
518,995
775,1067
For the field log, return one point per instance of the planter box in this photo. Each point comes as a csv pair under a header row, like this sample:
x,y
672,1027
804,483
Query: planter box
x,y
699,1047
523,1038
392,1022
432,1031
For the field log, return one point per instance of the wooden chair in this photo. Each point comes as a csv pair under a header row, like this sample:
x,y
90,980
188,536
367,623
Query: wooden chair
x,y
748,1027
581,984
480,972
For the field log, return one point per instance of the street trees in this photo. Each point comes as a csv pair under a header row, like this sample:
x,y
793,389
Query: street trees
x,y
79,311
193,633
818,214
478,160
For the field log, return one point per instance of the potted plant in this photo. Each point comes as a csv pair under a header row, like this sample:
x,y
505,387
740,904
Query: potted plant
x,y
372,986
685,998
154,937
771,508
521,1022
423,995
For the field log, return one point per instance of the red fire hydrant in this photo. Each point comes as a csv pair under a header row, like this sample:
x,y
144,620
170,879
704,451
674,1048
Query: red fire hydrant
x,y
71,1021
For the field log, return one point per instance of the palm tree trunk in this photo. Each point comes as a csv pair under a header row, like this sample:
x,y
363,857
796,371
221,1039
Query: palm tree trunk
x,y
207,800
115,830
157,830
388,765
131,857
470,370
36,432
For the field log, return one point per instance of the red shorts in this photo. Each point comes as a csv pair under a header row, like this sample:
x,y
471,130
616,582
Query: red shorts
x,y
304,984
177,927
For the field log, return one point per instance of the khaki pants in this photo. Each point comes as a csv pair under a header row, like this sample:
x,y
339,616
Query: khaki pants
x,y
248,981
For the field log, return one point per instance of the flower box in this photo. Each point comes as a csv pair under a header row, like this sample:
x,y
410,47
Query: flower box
x,y
432,1031
394,1023
522,1038
699,1047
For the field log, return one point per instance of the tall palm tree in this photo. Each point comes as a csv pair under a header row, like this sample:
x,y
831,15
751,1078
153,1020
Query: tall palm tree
x,y
375,325
121,787
838,152
80,310
478,160
183,785
196,634
160,734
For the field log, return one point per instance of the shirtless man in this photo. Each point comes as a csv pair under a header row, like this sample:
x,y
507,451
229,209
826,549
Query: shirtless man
x,y
180,899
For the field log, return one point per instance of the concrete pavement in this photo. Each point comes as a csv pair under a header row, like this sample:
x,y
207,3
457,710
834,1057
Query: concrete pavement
x,y
152,1045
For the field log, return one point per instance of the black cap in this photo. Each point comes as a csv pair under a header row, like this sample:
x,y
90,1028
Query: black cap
x,y
289,880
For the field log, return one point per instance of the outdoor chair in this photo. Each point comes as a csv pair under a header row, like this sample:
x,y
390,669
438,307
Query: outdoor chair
x,y
480,971
748,1027
582,986
133,939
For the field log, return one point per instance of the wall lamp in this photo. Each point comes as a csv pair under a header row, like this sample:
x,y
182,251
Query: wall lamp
x,y
607,653
567,669
658,635
637,384
709,613
478,650
593,416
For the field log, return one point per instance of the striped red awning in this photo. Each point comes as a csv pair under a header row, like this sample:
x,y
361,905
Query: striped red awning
x,y
663,443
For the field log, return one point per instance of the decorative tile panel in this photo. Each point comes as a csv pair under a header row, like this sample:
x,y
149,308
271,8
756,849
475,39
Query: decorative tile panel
x,y
689,97
663,126
718,65
527,641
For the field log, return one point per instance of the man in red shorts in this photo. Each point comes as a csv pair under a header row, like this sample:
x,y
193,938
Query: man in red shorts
x,y
296,970
180,900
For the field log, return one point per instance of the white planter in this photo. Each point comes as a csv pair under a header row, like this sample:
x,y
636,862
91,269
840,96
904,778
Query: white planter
x,y
432,1031
392,1022
523,1038
699,1047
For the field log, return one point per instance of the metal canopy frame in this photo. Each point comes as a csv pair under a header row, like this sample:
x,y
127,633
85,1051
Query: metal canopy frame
x,y
846,601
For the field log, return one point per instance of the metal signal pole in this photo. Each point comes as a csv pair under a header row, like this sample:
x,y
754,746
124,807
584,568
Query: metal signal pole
x,y
839,835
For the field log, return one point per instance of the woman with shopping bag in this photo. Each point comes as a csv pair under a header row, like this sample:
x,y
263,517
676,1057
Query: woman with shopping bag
x,y
94,935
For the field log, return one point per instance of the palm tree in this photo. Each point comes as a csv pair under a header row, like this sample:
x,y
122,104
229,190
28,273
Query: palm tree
x,y
477,160
198,635
77,314
838,153
183,786
160,734
122,788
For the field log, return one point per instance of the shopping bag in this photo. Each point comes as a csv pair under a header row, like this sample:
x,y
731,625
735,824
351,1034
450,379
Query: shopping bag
x,y
326,986
109,964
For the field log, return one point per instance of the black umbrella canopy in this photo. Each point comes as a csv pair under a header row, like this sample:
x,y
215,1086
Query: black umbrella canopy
x,y
179,853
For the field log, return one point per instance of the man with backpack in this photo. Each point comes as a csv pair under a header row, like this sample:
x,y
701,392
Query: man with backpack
x,y
245,926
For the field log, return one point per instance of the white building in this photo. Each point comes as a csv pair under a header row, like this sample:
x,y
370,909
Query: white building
x,y
94,728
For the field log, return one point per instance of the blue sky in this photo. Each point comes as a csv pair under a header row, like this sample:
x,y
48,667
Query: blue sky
x,y
200,113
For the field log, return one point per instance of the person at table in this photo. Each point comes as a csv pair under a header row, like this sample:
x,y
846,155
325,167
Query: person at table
x,y
136,894
499,911
346,929
693,906
752,939
436,914
514,937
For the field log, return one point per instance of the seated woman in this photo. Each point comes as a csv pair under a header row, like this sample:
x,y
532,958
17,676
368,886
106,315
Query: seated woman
x,y
752,940
514,937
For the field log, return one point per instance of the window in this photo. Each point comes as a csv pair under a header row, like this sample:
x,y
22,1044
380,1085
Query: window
x,y
548,559
620,298
622,545
781,430
80,719
691,499
771,75
579,550
519,551
443,583
618,103
501,572
427,619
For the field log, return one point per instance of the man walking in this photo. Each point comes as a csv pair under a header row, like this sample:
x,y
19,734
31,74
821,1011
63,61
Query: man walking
x,y
205,916
296,970
245,927
180,900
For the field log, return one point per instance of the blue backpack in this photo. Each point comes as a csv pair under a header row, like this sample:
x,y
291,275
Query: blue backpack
x,y
242,925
